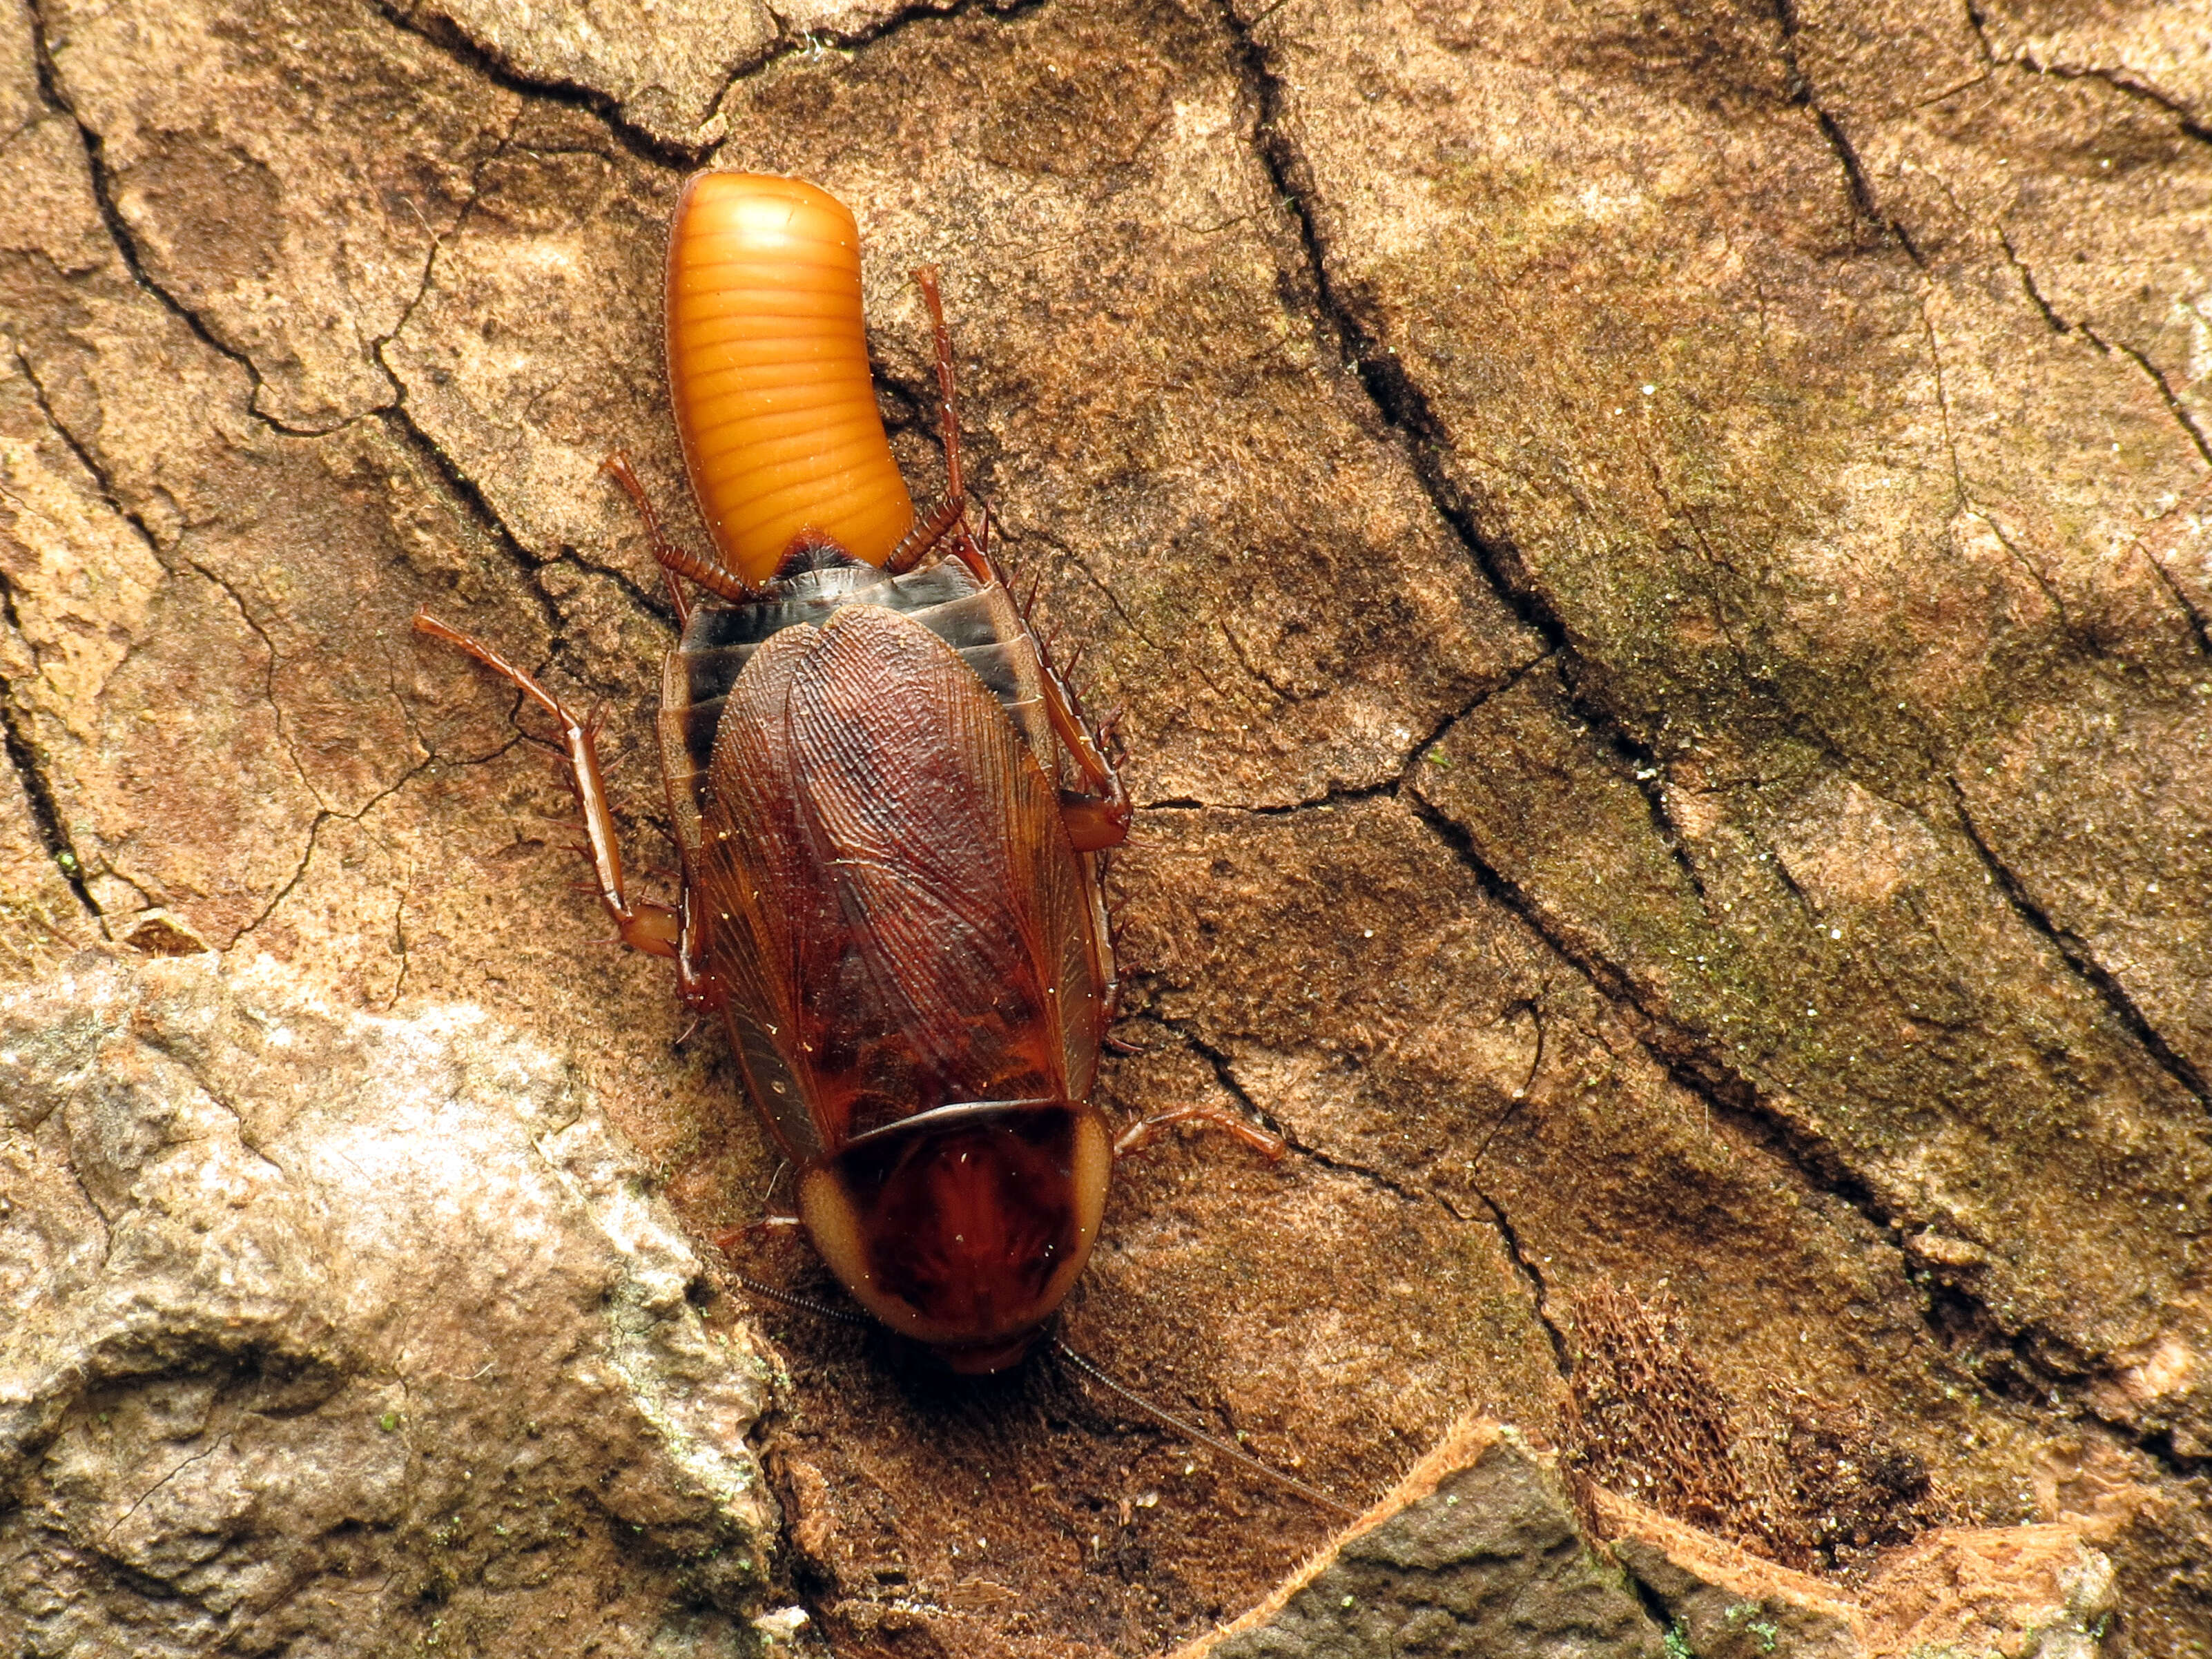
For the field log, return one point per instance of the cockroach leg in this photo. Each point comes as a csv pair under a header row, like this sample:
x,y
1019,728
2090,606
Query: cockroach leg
x,y
926,535
947,407
1109,734
730,1238
653,928
969,549
1097,817
699,989
1094,825
675,561
1143,1133
767,1222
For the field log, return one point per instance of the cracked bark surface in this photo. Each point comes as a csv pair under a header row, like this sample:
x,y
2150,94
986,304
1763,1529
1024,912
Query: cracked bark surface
x,y
1657,560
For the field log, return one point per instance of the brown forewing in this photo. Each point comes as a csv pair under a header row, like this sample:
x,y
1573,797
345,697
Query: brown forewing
x,y
892,898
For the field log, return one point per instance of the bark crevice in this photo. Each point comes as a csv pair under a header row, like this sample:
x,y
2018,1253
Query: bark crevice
x,y
2079,961
1223,1066
1838,141
126,243
30,767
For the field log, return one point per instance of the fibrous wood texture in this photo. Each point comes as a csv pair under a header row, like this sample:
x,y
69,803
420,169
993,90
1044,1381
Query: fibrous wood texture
x,y
1657,563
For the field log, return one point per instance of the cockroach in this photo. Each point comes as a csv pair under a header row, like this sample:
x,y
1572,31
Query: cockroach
x,y
888,806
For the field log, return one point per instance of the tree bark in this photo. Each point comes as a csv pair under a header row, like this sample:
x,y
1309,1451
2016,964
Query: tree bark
x,y
1657,560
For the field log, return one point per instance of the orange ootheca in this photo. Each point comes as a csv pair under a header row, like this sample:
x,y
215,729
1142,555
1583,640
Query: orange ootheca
x,y
889,808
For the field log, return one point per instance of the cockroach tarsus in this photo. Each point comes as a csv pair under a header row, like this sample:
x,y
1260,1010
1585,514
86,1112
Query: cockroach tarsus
x,y
886,892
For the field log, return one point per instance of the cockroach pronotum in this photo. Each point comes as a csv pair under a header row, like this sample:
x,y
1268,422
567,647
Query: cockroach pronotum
x,y
888,807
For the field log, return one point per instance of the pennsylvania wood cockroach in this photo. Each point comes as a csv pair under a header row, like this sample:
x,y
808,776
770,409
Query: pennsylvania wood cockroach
x,y
888,807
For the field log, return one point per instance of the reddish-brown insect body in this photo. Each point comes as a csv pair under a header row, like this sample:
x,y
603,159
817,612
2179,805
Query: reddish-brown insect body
x,y
888,807
888,892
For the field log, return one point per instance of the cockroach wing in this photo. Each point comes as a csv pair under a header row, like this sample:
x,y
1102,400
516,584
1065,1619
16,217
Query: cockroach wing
x,y
893,900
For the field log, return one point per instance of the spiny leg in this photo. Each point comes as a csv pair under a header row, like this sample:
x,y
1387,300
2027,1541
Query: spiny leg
x,y
730,1240
1143,1133
1097,817
768,1220
949,520
653,928
919,541
948,413
675,561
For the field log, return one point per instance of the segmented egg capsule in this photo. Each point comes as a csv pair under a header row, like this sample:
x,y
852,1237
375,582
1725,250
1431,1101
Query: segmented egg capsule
x,y
768,368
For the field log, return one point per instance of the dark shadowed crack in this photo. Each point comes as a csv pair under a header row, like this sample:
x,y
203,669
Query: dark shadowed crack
x,y
2120,80
400,422
649,603
2157,376
22,750
811,42
486,61
652,604
1801,91
24,758
1335,797
1524,1264
104,484
1692,1063
2149,370
113,499
2058,324
1342,794
2197,624
2077,956
2194,503
1224,1067
1691,1059
1404,408
1406,412
126,242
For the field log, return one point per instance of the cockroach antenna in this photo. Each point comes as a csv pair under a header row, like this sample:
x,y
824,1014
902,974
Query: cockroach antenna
x,y
1192,1432
803,1303
1096,1373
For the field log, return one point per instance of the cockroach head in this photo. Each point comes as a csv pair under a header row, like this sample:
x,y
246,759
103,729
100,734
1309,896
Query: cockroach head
x,y
963,1228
